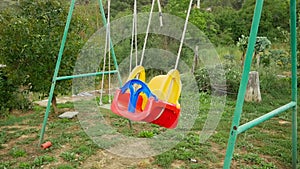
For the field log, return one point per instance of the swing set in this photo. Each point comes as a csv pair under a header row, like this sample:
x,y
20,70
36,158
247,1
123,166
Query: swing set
x,y
157,101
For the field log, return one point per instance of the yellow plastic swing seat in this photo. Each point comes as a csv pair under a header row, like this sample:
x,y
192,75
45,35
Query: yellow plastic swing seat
x,y
165,87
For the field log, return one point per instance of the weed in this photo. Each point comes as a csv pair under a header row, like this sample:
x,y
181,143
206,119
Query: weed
x,y
84,150
26,141
42,160
146,134
165,160
69,105
6,164
17,152
38,109
256,161
68,156
3,137
25,165
65,166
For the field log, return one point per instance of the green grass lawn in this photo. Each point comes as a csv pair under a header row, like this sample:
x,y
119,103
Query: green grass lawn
x,y
265,146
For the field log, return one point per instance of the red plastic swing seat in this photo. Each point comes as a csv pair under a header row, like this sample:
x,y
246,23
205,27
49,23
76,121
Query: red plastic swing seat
x,y
163,111
157,112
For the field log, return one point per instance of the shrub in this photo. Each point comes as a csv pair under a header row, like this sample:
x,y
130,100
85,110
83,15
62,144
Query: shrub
x,y
11,97
205,75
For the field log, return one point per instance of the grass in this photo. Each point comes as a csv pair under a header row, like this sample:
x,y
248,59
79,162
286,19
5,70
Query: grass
x,y
16,152
265,146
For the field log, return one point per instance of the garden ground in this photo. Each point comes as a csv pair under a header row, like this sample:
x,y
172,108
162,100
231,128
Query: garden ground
x,y
265,146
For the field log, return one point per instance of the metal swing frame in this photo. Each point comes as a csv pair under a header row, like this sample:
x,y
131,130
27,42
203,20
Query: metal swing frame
x,y
58,62
236,128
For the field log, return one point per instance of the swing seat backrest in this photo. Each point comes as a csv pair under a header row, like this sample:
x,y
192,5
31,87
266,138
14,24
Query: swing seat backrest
x,y
167,87
138,72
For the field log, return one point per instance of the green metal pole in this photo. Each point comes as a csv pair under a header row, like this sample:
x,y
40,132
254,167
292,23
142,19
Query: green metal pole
x,y
85,75
293,25
112,49
62,46
243,85
265,117
111,44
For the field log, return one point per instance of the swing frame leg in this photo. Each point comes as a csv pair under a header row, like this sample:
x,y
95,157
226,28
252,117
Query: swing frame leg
x,y
235,127
293,26
243,84
58,62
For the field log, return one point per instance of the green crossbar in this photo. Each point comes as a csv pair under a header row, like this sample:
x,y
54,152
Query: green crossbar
x,y
86,75
265,117
236,128
58,62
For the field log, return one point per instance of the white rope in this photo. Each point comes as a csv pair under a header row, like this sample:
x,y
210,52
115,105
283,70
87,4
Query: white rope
x,y
198,4
147,32
134,37
160,13
103,69
106,48
131,50
183,34
136,31
109,53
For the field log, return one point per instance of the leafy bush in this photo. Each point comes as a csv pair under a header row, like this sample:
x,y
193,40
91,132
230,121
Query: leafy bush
x,y
231,71
10,95
279,57
30,40
6,90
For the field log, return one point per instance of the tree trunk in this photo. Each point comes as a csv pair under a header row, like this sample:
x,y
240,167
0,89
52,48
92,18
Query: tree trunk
x,y
257,60
253,88
243,59
54,105
196,58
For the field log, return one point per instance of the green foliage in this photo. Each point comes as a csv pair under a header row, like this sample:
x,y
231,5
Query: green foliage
x,y
17,152
68,156
7,89
5,164
227,19
11,96
42,160
31,33
254,159
274,15
232,72
280,57
203,20
146,134
25,165
261,45
66,166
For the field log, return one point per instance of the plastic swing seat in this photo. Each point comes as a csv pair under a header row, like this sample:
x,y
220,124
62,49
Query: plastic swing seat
x,y
155,103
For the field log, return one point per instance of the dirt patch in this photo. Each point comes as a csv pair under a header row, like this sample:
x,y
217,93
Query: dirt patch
x,y
178,164
106,160
283,122
29,148
217,149
61,100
